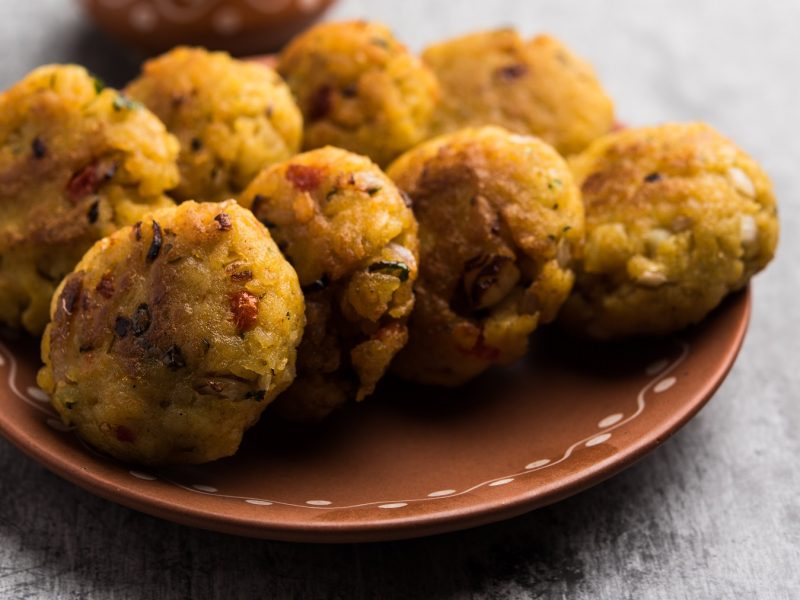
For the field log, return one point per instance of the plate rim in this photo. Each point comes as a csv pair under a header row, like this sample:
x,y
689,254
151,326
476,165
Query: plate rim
x,y
402,527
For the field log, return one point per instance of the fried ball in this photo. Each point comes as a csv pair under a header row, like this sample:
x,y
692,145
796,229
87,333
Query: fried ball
x,y
499,221
359,89
171,336
676,218
232,118
537,87
353,241
76,163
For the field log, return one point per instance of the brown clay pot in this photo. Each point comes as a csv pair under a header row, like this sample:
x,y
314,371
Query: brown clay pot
x,y
238,26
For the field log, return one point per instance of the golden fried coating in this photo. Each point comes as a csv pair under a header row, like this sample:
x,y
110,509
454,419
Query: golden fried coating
x,y
537,87
76,163
499,221
676,218
171,336
351,237
359,89
232,118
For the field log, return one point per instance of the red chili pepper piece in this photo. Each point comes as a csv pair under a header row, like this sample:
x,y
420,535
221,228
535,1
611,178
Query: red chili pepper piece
x,y
304,178
244,307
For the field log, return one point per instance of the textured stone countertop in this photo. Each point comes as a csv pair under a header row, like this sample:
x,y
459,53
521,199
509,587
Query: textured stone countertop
x,y
712,513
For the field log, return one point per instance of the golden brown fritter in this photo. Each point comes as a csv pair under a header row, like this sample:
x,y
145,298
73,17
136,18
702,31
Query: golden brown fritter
x,y
76,162
537,87
232,118
676,218
351,237
499,222
171,336
359,89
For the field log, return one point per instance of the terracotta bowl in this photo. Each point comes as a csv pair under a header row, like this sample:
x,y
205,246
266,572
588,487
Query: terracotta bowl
x,y
238,26
413,460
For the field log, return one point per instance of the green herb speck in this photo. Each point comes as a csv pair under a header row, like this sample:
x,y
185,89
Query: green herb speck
x,y
99,84
390,267
122,102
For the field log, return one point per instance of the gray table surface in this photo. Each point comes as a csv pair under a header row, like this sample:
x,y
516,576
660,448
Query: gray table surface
x,y
713,513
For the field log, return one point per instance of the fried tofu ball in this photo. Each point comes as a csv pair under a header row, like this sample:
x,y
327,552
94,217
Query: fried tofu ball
x,y
171,336
359,89
537,87
76,163
232,118
499,221
350,235
676,218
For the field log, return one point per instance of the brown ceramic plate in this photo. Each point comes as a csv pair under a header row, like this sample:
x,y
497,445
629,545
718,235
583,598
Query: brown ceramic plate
x,y
413,460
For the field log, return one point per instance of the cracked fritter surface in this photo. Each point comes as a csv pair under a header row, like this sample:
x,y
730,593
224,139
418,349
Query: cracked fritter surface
x,y
350,235
76,162
359,89
538,87
171,336
677,217
232,118
499,222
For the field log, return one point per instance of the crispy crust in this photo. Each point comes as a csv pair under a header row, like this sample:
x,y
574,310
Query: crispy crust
x,y
677,217
359,89
232,118
500,220
76,162
171,337
351,237
538,87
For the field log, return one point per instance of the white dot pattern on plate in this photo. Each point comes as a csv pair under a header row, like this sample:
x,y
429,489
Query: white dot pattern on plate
x,y
659,384
38,394
143,18
664,385
114,3
257,502
269,6
308,5
57,425
501,482
610,420
598,439
227,21
185,11
657,366
441,493
204,488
